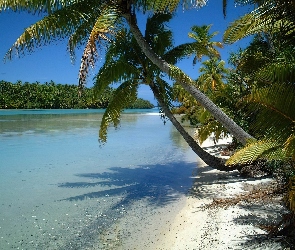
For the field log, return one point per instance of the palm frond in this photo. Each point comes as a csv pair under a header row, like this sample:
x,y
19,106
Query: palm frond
x,y
239,29
114,72
81,33
271,16
101,31
157,34
119,46
264,149
123,96
277,72
166,92
179,52
167,5
58,25
203,45
276,115
36,6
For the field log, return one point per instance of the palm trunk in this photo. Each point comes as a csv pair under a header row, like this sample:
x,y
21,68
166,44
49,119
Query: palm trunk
x,y
187,83
212,161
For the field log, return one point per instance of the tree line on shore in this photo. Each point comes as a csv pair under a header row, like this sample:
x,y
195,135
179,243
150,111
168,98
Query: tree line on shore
x,y
50,95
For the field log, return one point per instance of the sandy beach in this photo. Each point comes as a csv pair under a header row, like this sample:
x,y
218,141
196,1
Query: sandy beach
x,y
234,227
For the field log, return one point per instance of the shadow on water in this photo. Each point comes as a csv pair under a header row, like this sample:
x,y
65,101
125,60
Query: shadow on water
x,y
160,184
156,185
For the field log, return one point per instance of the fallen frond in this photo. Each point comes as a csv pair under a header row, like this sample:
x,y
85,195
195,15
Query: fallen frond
x,y
257,194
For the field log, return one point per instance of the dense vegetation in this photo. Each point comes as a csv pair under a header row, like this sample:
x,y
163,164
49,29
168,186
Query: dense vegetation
x,y
141,104
258,92
56,96
48,96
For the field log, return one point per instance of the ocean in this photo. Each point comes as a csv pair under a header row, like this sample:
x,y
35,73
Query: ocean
x,y
60,188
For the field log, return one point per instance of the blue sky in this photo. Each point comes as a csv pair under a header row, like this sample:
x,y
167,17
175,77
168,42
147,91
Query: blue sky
x,y
53,61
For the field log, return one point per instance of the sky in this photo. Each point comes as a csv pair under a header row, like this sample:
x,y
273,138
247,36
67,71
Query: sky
x,y
52,62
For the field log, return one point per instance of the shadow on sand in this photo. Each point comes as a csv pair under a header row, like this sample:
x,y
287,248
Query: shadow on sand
x,y
257,213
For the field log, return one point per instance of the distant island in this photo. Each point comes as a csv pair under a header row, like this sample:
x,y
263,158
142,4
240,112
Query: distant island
x,y
57,96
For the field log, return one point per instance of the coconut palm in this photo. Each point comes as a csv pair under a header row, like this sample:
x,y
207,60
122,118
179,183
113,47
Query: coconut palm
x,y
126,64
95,22
204,41
212,75
273,75
273,94
186,82
211,82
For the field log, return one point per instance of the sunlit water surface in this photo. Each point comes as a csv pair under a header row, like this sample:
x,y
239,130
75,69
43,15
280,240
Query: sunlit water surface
x,y
61,189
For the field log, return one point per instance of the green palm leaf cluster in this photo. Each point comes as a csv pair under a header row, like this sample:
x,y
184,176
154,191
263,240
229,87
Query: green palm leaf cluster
x,y
210,82
269,65
167,5
272,79
271,17
126,65
274,122
204,46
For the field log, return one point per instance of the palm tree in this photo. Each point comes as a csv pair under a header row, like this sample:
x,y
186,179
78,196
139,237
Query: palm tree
x,y
212,75
211,82
273,91
186,82
272,72
125,63
205,45
93,22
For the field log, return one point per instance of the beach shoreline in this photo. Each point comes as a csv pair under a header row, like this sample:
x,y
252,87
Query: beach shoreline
x,y
192,226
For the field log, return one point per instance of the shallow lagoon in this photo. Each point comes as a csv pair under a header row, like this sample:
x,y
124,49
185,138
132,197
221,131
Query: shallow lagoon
x,y
61,189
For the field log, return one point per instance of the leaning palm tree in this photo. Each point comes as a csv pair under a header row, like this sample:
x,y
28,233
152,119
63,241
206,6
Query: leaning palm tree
x,y
186,82
212,83
126,64
95,22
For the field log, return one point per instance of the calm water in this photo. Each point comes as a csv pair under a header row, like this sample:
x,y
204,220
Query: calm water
x,y
61,189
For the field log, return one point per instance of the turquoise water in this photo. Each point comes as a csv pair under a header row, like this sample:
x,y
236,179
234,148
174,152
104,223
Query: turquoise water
x,y
61,189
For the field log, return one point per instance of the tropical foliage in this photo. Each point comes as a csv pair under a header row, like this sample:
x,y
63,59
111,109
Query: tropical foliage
x,y
141,104
269,66
211,82
55,96
126,65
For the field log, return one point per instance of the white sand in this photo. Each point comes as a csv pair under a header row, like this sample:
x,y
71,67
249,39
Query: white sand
x,y
232,228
